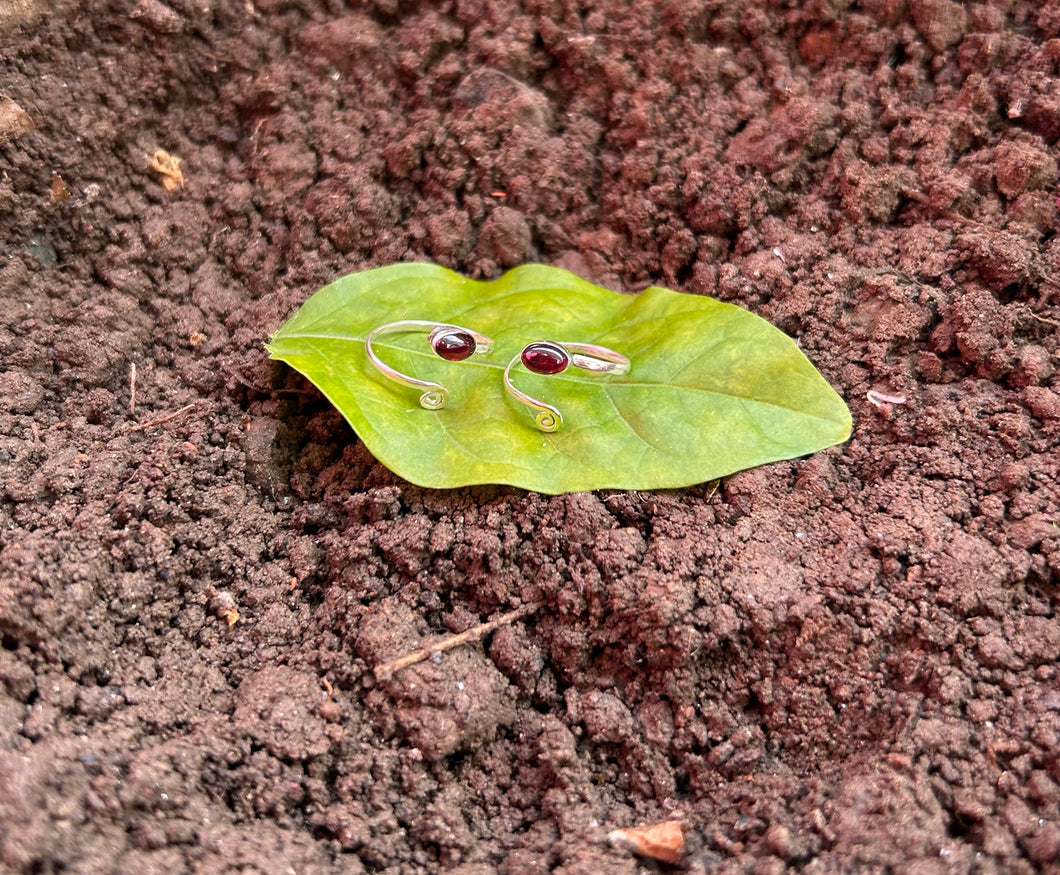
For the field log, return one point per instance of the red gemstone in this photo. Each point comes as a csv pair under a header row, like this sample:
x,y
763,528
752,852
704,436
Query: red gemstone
x,y
545,358
454,346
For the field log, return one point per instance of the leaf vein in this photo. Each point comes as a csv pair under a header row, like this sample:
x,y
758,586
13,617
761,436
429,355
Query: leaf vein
x,y
647,443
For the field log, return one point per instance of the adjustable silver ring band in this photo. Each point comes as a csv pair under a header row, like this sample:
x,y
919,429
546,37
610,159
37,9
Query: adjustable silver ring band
x,y
434,395
553,358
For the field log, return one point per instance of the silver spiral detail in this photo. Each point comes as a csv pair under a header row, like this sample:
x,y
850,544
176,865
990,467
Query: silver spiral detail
x,y
434,399
548,421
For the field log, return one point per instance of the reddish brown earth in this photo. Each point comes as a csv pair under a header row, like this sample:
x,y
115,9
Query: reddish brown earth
x,y
841,663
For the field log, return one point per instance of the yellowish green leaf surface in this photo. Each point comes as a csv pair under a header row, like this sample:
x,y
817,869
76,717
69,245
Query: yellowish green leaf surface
x,y
711,388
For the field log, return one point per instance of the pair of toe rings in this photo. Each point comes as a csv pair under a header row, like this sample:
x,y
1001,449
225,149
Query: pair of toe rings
x,y
453,343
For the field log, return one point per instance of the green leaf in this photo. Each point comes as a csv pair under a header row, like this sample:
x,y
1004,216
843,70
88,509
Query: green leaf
x,y
712,388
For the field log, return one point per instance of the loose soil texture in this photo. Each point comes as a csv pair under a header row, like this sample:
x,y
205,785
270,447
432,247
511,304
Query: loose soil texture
x,y
841,663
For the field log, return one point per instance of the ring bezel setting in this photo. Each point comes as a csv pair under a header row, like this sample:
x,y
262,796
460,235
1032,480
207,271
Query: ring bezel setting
x,y
549,358
545,357
452,344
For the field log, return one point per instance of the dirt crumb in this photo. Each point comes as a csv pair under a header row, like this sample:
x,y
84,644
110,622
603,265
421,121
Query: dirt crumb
x,y
14,120
280,709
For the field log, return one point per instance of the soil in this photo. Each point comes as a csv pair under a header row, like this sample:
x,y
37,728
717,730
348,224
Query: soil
x,y
846,662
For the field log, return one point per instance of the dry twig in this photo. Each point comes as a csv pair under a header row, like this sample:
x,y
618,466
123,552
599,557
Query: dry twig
x,y
143,426
1041,319
475,633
